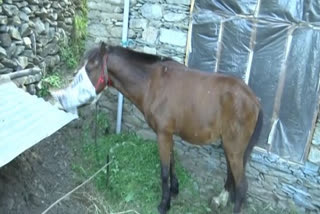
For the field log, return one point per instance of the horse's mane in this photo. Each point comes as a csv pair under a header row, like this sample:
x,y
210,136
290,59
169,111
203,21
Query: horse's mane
x,y
137,56
128,54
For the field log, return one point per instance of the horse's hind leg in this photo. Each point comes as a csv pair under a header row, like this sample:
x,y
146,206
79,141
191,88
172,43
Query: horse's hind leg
x,y
165,144
235,157
228,191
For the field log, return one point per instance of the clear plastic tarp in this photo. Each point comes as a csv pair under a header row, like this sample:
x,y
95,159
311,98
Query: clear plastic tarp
x,y
274,46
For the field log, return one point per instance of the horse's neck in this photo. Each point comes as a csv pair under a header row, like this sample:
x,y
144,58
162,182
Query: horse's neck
x,y
129,80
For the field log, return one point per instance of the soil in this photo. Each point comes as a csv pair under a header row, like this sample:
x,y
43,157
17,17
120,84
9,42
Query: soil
x,y
34,180
41,175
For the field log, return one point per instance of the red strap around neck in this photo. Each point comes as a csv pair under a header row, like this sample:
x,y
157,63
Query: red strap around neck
x,y
102,78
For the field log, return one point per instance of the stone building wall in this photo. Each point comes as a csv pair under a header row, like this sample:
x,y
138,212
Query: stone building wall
x,y
30,31
160,27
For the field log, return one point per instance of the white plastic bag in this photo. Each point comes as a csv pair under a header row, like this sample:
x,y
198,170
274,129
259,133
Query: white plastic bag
x,y
80,91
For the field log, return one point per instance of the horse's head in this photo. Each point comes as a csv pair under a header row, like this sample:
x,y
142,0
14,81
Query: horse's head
x,y
90,80
96,67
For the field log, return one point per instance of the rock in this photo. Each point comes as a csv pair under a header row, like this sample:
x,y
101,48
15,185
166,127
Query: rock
x,y
14,33
52,61
173,37
311,168
25,30
23,16
53,16
27,53
4,29
68,21
10,10
147,134
6,70
174,17
3,52
5,40
148,50
21,4
3,20
150,35
31,89
184,2
314,155
20,49
151,11
9,63
23,61
16,21
33,42
11,51
56,5
138,23
26,10
33,1
40,27
50,49
43,39
43,13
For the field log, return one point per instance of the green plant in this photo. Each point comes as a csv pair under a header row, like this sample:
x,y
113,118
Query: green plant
x,y
133,179
72,50
134,174
53,80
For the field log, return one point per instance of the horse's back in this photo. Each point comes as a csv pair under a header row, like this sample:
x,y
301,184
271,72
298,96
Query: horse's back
x,y
199,106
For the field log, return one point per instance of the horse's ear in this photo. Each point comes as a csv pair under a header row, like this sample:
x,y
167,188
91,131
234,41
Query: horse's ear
x,y
103,48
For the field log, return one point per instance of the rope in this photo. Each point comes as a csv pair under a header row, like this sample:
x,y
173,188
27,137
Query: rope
x,y
69,193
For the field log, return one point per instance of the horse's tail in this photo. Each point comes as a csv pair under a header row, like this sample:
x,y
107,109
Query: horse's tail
x,y
254,138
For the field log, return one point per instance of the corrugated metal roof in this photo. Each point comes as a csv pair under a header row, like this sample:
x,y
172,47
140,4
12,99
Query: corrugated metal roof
x,y
25,120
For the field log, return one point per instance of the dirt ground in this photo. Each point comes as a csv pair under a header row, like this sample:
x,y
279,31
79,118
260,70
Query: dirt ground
x,y
41,175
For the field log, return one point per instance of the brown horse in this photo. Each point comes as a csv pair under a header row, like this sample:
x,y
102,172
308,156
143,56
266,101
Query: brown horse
x,y
176,100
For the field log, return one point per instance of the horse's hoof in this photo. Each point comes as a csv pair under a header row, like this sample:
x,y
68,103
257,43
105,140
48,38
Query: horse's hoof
x,y
174,190
215,203
221,200
163,208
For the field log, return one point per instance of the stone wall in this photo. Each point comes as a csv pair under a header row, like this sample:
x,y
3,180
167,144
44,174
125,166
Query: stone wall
x,y
157,26
160,27
29,34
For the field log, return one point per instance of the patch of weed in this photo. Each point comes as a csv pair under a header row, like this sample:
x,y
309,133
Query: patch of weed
x,y
133,180
52,80
72,50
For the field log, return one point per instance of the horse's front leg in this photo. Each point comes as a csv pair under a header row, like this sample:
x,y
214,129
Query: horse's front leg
x,y
174,184
165,145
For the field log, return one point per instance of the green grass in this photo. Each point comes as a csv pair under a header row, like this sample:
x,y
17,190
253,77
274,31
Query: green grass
x,y
134,174
133,181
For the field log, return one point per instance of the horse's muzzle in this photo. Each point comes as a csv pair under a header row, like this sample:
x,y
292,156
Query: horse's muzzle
x,y
79,92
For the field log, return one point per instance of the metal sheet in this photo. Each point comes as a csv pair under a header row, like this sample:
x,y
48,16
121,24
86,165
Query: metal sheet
x,y
25,120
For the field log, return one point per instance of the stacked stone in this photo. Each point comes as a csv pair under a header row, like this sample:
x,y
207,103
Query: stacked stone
x,y
30,31
158,26
161,27
314,155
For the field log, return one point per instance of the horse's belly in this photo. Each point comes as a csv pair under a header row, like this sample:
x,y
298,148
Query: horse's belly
x,y
200,137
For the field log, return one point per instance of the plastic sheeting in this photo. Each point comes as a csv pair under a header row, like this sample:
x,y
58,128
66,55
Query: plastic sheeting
x,y
274,46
